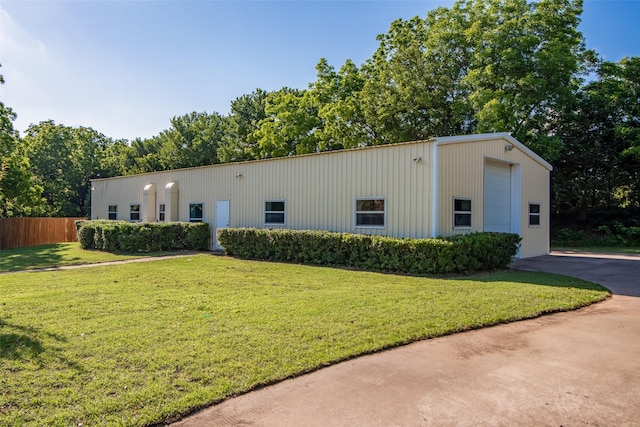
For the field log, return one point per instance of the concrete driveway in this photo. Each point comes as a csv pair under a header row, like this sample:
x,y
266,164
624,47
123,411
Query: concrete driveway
x,y
619,273
576,368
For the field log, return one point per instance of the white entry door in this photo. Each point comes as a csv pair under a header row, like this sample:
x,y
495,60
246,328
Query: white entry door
x,y
222,219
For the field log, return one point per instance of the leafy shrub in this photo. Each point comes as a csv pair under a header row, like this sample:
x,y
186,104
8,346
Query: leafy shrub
x,y
458,254
615,234
86,232
142,237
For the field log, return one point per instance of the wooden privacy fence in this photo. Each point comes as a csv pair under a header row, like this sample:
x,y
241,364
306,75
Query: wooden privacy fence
x,y
21,232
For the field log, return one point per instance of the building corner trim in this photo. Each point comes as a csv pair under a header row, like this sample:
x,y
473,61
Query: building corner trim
x,y
435,186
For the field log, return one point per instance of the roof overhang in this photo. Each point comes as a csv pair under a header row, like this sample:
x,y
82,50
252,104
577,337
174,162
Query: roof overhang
x,y
445,140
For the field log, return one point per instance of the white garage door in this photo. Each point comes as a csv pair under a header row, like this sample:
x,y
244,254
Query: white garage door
x,y
497,197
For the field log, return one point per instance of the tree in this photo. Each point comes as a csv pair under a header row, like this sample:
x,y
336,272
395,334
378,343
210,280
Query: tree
x,y
239,142
597,177
8,135
414,85
338,96
19,194
326,116
291,124
192,140
63,160
526,59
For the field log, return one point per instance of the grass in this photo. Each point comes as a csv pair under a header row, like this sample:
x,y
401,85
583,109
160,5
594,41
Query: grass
x,y
142,343
58,254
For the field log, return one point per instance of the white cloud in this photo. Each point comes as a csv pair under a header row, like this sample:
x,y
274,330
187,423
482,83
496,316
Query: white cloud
x,y
26,63
75,84
18,44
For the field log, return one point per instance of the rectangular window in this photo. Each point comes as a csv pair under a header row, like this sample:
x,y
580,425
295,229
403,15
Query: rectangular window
x,y
461,213
161,210
274,212
196,212
113,212
534,214
370,213
134,213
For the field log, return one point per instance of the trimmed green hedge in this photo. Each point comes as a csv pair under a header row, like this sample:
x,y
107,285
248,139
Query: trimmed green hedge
x,y
142,237
458,254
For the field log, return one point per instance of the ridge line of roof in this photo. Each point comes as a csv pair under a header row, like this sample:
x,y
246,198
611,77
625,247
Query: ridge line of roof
x,y
441,140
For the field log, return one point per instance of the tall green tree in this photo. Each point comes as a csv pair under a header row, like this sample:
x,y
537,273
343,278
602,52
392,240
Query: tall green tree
x,y
338,97
325,116
19,193
192,140
291,125
597,177
63,159
239,142
527,56
414,85
138,156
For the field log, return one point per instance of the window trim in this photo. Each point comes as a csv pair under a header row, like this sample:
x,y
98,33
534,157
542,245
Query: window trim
x,y
109,212
536,214
283,212
162,212
132,212
195,219
383,212
468,213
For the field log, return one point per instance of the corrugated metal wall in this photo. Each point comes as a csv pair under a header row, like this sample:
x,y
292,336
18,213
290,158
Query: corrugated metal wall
x,y
461,167
535,189
319,190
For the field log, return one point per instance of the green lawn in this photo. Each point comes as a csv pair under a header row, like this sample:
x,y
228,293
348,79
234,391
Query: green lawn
x,y
56,255
142,343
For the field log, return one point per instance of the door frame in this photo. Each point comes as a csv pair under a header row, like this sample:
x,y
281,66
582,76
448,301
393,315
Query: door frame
x,y
218,219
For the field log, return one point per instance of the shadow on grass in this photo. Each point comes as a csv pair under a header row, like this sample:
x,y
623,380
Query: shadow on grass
x,y
23,258
26,343
534,278
61,254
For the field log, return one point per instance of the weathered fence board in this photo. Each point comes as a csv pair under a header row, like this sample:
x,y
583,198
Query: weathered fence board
x,y
21,232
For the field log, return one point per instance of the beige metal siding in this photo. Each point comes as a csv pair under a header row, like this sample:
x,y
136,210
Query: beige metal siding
x,y
319,190
536,188
461,168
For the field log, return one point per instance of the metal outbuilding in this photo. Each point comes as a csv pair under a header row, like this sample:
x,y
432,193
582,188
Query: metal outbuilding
x,y
437,187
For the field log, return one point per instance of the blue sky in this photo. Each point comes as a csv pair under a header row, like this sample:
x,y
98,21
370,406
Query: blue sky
x,y
125,68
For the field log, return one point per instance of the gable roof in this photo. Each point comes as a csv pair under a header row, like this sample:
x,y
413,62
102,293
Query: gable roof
x,y
443,140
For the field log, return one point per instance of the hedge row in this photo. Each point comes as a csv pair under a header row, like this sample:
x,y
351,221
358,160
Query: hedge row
x,y
142,237
459,254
